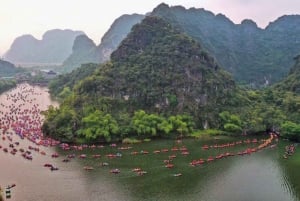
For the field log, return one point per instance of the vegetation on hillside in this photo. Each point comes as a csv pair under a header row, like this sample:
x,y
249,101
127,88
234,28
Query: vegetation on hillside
x,y
161,83
254,56
65,82
157,70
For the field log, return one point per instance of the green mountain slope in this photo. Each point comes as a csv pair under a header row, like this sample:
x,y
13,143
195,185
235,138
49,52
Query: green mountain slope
x,y
160,69
292,82
253,55
155,69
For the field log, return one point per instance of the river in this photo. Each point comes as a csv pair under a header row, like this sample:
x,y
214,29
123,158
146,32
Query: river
x,y
261,175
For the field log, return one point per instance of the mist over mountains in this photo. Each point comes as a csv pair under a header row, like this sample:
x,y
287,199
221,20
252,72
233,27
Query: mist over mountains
x,y
85,51
253,55
55,47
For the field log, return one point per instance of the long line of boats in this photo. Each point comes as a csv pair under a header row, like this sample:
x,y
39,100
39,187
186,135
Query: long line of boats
x,y
17,120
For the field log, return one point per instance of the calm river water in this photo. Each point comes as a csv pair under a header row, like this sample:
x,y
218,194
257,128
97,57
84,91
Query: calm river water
x,y
261,176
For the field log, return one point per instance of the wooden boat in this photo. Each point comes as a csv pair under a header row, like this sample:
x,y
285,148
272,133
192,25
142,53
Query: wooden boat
x,y
134,153
141,173
55,155
115,171
170,165
82,156
205,147
48,165
96,156
156,151
144,152
111,155
210,159
177,175
53,168
136,169
88,168
104,164
164,150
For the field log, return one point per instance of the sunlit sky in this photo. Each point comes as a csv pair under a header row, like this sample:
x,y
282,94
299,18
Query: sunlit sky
x,y
94,17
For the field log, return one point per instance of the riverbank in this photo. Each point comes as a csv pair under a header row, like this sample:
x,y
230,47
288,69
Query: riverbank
x,y
211,168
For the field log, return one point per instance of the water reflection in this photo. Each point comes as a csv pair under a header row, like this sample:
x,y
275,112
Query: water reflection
x,y
250,178
261,176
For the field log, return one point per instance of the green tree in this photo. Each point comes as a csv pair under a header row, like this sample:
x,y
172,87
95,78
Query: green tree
x,y
97,124
60,123
165,126
231,122
183,124
291,130
145,124
66,92
272,116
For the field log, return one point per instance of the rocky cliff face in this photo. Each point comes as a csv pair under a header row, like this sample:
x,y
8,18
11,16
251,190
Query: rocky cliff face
x,y
55,47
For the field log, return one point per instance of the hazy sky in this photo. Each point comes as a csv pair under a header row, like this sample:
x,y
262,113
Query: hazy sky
x,y
94,17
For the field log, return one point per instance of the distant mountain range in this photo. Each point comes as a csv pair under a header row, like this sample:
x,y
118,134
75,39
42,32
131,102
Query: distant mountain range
x,y
85,51
253,55
55,47
8,69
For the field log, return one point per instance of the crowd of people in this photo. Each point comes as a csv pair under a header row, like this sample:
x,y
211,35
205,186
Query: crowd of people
x,y
20,118
289,150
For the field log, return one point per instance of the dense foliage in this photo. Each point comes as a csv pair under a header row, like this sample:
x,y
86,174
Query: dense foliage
x,y
286,96
161,83
157,70
65,82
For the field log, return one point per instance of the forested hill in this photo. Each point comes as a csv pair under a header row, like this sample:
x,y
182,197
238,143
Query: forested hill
x,y
253,55
161,70
292,82
156,69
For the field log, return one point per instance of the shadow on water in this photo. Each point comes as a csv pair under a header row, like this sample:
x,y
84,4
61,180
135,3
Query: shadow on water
x,y
253,177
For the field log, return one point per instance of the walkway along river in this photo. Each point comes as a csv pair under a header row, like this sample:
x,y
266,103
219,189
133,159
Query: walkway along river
x,y
233,169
